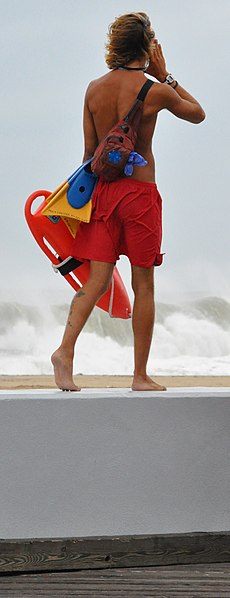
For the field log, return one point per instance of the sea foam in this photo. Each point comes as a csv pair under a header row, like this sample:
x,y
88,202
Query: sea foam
x,y
189,339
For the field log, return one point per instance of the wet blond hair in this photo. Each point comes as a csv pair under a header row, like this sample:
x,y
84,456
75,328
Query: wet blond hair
x,y
129,38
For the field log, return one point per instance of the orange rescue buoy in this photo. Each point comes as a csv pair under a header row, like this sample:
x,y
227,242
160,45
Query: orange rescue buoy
x,y
55,240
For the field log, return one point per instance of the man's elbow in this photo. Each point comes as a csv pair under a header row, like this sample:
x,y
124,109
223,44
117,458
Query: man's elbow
x,y
198,116
87,155
89,151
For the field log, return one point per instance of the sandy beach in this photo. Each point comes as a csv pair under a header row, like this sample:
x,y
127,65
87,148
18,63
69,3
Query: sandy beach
x,y
21,382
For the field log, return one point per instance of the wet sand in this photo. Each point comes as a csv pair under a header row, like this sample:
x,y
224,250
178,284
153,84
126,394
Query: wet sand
x,y
93,381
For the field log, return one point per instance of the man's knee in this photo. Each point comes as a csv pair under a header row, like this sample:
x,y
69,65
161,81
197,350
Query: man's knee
x,y
103,286
101,279
142,280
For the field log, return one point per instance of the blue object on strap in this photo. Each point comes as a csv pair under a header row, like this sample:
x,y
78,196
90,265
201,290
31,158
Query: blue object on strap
x,y
81,185
134,159
114,156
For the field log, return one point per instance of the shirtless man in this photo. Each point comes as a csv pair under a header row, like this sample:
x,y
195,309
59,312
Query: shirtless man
x,y
131,51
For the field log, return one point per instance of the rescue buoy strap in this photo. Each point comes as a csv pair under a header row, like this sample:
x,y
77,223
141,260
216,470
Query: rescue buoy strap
x,y
66,266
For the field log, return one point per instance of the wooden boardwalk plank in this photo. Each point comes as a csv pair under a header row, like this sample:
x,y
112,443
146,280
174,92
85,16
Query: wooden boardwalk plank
x,y
186,581
106,552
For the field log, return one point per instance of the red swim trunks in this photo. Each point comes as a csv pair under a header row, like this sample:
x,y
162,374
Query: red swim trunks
x,y
126,220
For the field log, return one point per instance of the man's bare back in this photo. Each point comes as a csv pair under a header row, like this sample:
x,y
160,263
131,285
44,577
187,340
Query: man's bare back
x,y
110,97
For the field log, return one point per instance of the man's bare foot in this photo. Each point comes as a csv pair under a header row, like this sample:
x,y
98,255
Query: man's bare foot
x,y
63,371
146,383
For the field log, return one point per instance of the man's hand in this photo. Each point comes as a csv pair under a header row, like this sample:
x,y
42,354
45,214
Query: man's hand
x,y
157,65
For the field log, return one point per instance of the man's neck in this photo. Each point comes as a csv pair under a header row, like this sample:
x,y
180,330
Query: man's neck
x,y
135,65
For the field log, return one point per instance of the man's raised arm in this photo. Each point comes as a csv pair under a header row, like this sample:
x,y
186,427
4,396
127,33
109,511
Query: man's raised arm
x,y
172,96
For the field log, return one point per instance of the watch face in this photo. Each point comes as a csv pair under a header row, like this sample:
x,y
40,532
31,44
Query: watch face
x,y
169,79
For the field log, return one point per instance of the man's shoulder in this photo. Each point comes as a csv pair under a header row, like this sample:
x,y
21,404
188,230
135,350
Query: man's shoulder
x,y
98,81
159,95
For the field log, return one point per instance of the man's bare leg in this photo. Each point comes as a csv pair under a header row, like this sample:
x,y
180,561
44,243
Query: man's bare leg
x,y
81,307
143,322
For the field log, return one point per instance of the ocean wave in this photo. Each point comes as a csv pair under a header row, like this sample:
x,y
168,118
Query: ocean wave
x,y
190,338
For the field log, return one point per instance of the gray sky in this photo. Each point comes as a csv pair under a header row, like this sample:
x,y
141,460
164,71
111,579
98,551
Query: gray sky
x,y
50,50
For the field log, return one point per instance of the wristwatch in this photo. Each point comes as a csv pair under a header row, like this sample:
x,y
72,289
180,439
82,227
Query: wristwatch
x,y
169,79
